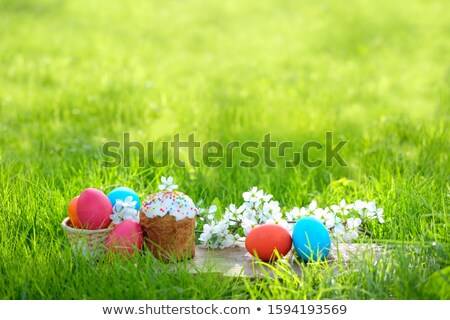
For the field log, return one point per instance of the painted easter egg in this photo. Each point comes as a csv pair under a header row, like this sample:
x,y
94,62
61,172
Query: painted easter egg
x,y
122,193
94,209
126,238
311,239
73,216
264,240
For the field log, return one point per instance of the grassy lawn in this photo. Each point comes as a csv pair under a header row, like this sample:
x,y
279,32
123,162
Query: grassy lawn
x,y
74,75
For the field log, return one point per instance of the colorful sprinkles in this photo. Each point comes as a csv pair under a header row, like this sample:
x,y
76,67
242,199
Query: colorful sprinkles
x,y
175,203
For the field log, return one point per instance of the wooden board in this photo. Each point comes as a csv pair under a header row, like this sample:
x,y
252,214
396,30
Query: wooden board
x,y
237,261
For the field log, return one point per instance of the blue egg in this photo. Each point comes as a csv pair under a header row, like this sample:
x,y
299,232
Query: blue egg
x,y
121,193
311,239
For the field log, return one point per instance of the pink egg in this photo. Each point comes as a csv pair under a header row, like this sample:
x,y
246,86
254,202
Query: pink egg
x,y
94,209
126,238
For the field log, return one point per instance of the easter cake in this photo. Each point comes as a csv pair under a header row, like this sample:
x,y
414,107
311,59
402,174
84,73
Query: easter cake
x,y
167,219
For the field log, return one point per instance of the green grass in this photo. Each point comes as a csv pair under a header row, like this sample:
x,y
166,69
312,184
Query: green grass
x,y
74,75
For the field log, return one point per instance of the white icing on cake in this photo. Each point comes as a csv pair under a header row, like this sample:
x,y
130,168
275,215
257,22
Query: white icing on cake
x,y
175,203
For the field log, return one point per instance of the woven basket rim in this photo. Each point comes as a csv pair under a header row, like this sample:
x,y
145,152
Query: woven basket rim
x,y
84,231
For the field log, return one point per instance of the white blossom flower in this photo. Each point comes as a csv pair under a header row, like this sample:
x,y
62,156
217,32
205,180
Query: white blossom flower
x,y
248,225
313,205
297,213
248,207
294,214
124,210
127,203
216,235
167,184
320,213
351,232
228,241
359,205
254,195
249,214
371,210
233,214
283,223
331,220
343,220
212,209
339,229
380,215
206,234
366,210
343,207
270,210
234,211
353,223
371,206
220,228
266,197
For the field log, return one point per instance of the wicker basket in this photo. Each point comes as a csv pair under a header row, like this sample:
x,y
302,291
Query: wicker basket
x,y
90,243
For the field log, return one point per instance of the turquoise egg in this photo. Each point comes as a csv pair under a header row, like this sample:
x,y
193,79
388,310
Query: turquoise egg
x,y
121,193
311,239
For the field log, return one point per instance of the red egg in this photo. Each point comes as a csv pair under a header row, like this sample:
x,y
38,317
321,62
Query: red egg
x,y
126,238
94,209
264,240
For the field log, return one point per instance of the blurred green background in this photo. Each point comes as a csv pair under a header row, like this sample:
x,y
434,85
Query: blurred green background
x,y
76,74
